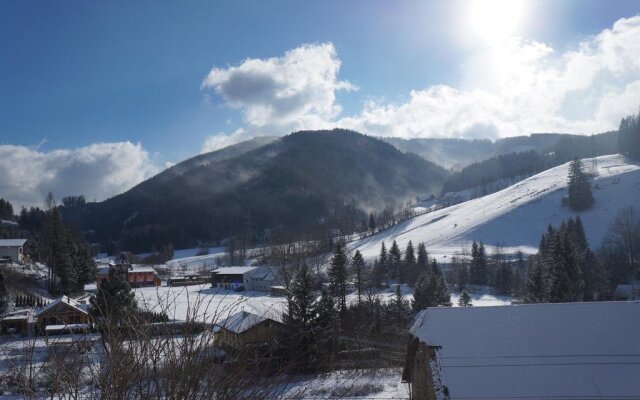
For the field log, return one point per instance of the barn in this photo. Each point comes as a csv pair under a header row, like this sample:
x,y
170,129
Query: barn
x,y
244,330
533,351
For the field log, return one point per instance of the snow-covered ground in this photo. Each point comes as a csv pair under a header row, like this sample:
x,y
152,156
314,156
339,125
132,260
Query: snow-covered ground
x,y
356,384
205,304
202,303
516,217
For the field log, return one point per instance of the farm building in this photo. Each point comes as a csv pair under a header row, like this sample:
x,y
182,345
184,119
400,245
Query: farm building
x,y
244,330
244,278
137,275
19,321
64,315
534,351
11,250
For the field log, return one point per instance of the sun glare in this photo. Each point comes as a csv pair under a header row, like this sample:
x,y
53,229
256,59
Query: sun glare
x,y
495,20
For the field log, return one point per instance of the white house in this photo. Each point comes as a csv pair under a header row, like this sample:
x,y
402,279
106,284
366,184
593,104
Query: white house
x,y
11,250
259,278
533,351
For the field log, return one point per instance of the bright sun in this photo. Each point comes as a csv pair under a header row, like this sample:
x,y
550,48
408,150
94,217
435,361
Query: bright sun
x,y
495,20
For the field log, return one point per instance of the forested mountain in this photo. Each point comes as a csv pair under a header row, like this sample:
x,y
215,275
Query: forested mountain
x,y
303,182
458,153
520,165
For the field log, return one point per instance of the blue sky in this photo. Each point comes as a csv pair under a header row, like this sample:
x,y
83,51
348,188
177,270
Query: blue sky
x,y
129,75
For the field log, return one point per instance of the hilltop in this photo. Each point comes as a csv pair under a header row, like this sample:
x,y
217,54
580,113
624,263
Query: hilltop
x,y
516,217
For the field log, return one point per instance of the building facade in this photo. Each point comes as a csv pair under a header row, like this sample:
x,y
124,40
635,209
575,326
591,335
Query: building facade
x,y
12,250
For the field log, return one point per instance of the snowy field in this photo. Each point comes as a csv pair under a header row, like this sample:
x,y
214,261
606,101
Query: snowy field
x,y
205,304
515,217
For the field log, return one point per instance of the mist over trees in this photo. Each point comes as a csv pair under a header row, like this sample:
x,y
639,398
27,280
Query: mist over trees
x,y
305,184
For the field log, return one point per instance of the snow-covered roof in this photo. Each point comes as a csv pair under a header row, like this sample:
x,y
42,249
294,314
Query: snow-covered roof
x,y
241,321
573,350
65,300
12,242
234,270
70,327
627,291
141,268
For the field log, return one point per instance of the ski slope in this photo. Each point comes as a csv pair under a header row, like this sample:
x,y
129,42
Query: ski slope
x,y
516,217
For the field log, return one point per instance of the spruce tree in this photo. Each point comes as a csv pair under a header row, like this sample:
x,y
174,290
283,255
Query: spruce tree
x,y
302,302
580,197
3,294
114,301
383,261
422,260
372,222
465,299
338,276
442,291
395,261
409,265
536,284
358,272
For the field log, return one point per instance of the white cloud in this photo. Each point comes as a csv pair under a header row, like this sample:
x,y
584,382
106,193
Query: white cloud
x,y
520,86
280,94
506,88
97,171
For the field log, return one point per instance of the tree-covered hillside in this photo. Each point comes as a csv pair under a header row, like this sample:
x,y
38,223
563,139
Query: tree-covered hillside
x,y
305,182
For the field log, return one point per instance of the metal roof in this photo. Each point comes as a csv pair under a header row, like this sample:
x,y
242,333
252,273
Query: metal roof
x,y
12,242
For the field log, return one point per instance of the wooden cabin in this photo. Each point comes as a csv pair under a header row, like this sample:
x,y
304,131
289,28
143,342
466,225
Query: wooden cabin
x,y
64,315
245,330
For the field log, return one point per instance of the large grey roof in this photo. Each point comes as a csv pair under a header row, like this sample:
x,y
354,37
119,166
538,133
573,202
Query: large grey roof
x,y
12,242
571,350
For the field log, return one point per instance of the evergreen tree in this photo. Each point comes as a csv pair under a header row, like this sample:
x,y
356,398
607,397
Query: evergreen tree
x,y
409,272
3,294
372,222
395,261
629,136
422,260
504,278
383,262
358,272
536,281
338,276
478,270
566,281
399,307
442,291
465,299
430,289
580,197
302,302
114,301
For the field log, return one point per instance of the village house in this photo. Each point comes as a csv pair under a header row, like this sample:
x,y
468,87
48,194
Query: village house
x,y
247,331
64,315
137,275
259,278
533,351
11,250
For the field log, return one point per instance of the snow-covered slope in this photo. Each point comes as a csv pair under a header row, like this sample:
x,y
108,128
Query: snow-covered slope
x,y
516,216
